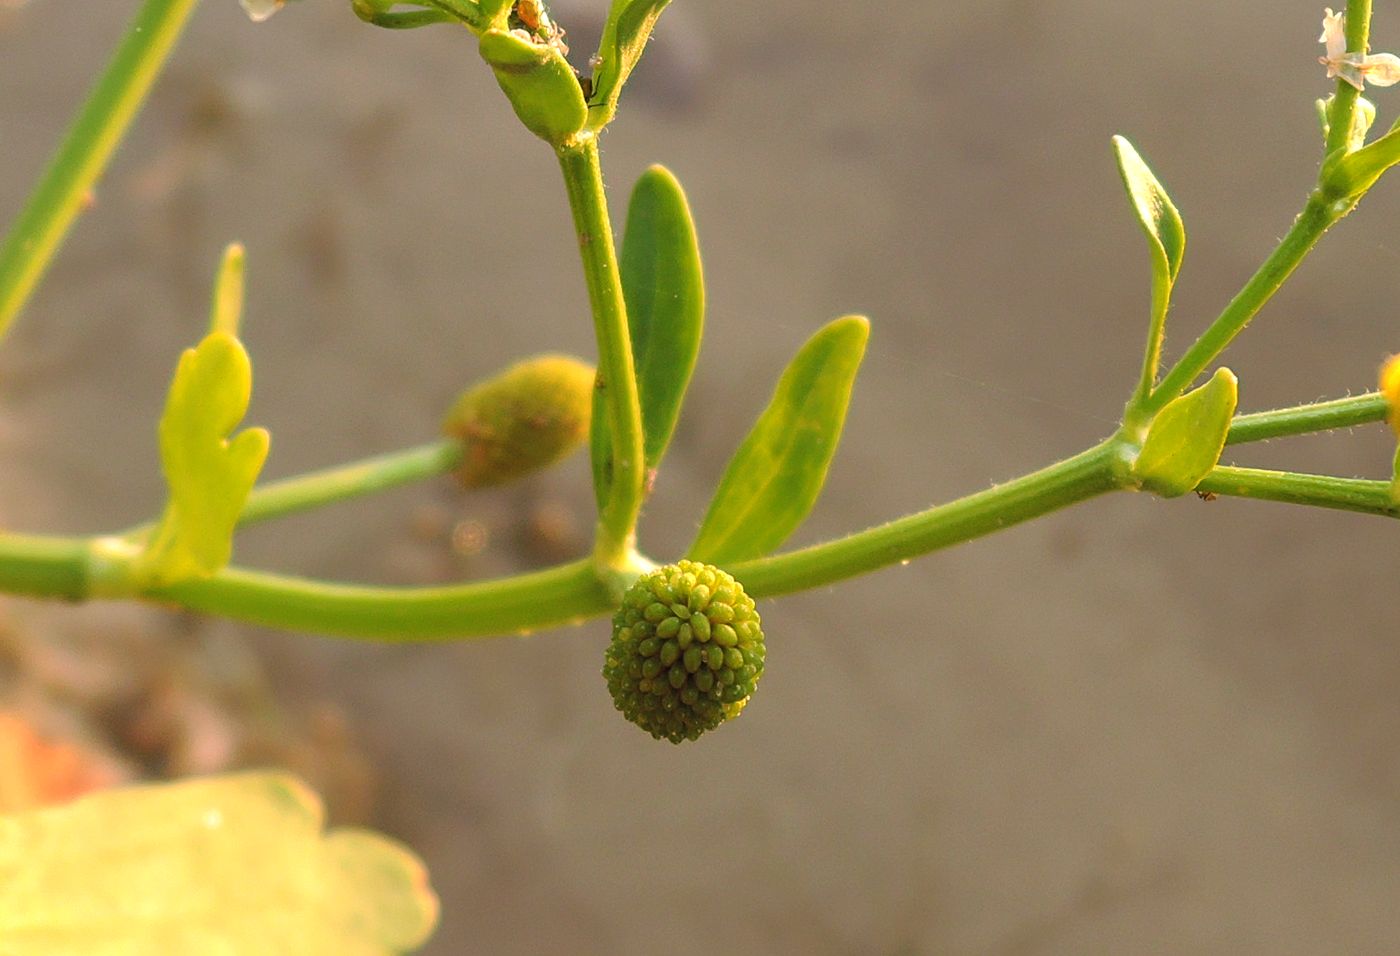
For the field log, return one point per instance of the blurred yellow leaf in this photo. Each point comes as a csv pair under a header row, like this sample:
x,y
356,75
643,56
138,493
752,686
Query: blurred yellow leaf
x,y
221,866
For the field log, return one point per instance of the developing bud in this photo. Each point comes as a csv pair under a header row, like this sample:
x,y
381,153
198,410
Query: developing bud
x,y
686,652
1390,388
526,418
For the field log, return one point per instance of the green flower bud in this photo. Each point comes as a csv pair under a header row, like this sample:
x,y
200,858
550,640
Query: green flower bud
x,y
526,418
686,652
536,77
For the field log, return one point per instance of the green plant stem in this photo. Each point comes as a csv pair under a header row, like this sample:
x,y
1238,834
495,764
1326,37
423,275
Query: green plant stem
x,y
1152,355
1320,491
305,492
617,520
1087,474
1317,216
468,13
110,107
278,499
573,592
47,567
566,594
1358,31
1306,419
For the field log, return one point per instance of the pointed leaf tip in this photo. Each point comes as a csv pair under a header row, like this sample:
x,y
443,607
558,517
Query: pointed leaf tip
x,y
226,309
1155,211
774,479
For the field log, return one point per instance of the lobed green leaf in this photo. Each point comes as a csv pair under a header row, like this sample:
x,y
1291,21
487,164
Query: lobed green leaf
x,y
773,480
208,475
1186,437
233,865
664,289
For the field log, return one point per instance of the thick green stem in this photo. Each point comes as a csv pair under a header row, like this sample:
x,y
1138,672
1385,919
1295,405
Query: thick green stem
x,y
1087,474
564,594
1320,491
1306,419
567,594
572,593
616,372
1317,216
61,194
44,567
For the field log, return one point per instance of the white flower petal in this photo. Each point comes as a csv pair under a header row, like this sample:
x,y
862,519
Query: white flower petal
x,y
1334,26
1381,69
260,10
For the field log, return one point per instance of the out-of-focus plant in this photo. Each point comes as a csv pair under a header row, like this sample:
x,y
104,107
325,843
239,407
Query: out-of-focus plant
x,y
687,649
235,864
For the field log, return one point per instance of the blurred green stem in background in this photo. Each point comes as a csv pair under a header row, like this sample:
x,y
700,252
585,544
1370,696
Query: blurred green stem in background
x,y
67,184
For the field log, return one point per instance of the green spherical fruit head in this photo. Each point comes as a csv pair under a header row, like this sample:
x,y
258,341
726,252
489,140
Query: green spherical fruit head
x,y
526,418
686,653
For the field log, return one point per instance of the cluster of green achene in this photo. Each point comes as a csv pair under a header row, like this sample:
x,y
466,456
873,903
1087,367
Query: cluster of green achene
x,y
687,651
687,648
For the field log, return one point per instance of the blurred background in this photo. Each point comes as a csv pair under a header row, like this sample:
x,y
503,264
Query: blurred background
x,y
1135,726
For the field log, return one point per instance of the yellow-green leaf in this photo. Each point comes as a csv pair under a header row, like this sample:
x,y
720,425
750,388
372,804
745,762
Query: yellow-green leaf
x,y
664,289
209,474
1166,235
1166,243
1186,438
235,865
774,478
226,306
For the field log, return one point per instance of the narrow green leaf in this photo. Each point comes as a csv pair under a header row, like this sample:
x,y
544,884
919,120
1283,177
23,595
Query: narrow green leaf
x,y
664,289
209,475
1186,438
774,478
1166,236
237,865
625,36
1166,241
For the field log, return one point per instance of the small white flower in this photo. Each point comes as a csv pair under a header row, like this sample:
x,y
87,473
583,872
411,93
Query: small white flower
x,y
1380,69
260,10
